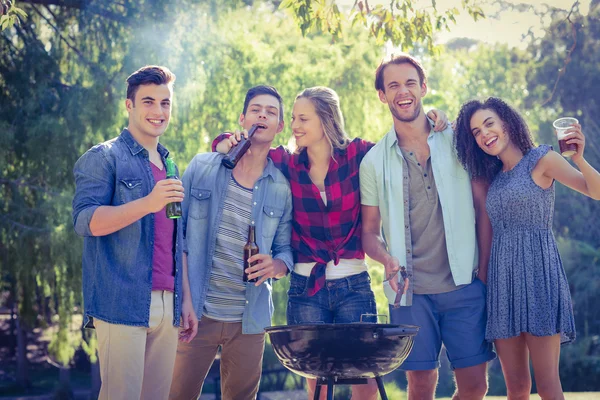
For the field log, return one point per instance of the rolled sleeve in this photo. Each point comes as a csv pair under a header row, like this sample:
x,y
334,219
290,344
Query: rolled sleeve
x,y
368,184
94,187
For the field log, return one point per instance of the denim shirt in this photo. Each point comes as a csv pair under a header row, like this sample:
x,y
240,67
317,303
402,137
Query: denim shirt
x,y
384,183
117,268
205,181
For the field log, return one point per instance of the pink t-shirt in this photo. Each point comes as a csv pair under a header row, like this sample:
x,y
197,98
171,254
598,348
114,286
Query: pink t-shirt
x,y
163,272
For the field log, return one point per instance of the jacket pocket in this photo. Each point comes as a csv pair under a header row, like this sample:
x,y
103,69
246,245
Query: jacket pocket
x,y
199,203
271,218
130,189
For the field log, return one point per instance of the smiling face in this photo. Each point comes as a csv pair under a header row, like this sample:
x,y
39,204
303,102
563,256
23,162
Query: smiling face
x,y
306,124
489,132
150,113
403,91
263,110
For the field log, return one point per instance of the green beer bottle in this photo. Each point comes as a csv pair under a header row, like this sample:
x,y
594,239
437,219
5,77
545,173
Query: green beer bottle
x,y
173,209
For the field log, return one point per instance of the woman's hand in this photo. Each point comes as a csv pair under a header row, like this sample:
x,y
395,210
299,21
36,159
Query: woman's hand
x,y
575,136
439,118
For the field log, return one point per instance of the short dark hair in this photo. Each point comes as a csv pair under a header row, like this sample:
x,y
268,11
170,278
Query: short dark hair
x,y
398,59
263,89
148,75
476,161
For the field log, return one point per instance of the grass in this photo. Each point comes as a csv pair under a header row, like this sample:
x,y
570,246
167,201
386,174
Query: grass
x,y
568,396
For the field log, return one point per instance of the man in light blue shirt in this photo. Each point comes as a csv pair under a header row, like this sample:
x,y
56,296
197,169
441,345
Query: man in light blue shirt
x,y
433,218
219,206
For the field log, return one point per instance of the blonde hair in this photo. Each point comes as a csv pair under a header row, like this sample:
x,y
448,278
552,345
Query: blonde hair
x,y
327,106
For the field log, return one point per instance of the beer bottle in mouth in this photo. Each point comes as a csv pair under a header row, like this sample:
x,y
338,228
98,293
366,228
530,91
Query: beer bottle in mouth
x,y
236,153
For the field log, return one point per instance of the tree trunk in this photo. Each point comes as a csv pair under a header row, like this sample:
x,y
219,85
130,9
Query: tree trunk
x,y
96,381
22,364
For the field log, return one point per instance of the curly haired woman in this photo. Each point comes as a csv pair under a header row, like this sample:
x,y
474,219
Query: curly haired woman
x,y
529,305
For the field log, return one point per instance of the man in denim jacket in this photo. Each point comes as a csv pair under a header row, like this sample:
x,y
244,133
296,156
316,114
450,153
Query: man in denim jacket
x,y
219,206
132,252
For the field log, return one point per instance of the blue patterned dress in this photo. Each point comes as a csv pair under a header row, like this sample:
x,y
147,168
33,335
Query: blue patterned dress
x,y
527,285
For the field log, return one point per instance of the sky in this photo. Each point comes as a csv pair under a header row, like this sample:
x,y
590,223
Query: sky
x,y
509,28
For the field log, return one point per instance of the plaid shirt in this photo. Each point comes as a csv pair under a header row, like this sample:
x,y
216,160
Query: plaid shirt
x,y
321,233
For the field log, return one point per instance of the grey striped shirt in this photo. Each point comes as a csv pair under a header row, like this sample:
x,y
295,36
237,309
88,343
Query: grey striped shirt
x,y
226,296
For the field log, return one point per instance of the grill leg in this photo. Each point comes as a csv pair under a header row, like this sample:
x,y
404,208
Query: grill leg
x,y
317,391
381,388
330,389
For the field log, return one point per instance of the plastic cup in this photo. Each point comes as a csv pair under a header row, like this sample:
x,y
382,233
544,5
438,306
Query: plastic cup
x,y
561,126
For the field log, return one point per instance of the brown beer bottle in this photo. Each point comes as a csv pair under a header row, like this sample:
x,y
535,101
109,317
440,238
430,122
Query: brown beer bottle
x,y
237,152
250,249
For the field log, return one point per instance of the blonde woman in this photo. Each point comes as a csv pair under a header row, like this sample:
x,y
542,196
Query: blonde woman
x,y
330,282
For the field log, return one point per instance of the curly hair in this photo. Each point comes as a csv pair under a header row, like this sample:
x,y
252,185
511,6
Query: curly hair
x,y
478,163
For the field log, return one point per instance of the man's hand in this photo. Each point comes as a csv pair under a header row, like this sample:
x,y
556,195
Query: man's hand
x,y
226,144
164,192
189,322
266,267
439,118
392,267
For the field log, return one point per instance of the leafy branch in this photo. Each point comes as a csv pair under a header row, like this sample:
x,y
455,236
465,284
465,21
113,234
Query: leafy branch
x,y
10,14
401,21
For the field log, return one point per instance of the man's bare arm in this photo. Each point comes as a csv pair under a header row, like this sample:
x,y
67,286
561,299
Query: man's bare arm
x,y
483,226
109,219
374,245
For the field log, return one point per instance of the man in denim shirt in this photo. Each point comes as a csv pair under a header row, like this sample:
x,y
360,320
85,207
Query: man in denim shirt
x,y
220,204
132,253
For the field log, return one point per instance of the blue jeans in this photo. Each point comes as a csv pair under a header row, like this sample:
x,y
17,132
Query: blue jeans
x,y
341,301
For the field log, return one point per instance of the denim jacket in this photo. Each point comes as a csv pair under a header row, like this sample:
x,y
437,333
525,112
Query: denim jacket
x,y
117,268
205,182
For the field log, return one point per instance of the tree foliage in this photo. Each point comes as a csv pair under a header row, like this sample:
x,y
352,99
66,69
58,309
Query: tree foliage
x,y
62,88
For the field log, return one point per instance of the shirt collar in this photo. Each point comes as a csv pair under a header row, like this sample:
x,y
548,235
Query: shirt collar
x,y
270,169
135,148
391,139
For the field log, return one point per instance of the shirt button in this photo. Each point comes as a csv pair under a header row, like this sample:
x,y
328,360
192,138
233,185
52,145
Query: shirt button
x,y
255,187
130,185
254,203
246,301
406,226
200,195
408,251
271,213
425,175
252,222
428,187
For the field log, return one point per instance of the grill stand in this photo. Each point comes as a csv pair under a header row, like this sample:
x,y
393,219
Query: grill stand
x,y
331,382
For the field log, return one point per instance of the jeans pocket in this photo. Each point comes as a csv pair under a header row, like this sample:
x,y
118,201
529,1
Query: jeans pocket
x,y
297,285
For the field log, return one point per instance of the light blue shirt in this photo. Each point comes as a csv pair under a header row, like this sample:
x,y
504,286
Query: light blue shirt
x,y
384,183
205,181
